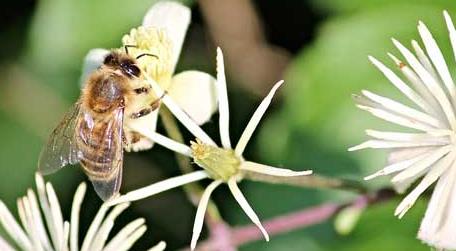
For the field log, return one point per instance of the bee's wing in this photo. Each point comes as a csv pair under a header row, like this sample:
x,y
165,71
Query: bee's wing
x,y
61,148
107,170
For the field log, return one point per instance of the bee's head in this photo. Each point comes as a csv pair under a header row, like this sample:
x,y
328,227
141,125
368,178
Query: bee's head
x,y
123,62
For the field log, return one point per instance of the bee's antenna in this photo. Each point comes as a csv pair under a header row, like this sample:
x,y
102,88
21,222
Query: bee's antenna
x,y
128,46
146,54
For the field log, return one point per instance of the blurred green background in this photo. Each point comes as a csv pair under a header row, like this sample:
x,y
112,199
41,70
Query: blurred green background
x,y
309,127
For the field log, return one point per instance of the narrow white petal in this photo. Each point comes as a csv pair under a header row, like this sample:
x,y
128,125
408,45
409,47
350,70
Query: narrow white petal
x,y
430,82
94,227
13,229
201,210
160,186
66,236
403,109
46,208
396,119
451,30
172,17
159,247
253,123
423,58
421,165
401,154
92,61
38,221
29,224
195,93
180,114
439,223
396,167
392,144
437,59
75,209
270,170
4,245
430,106
412,137
399,84
164,141
224,117
105,228
56,213
131,239
232,184
123,234
434,173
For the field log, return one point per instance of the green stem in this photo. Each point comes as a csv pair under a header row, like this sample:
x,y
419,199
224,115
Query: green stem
x,y
193,190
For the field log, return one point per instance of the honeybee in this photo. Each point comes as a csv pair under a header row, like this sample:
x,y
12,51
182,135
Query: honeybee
x,y
91,133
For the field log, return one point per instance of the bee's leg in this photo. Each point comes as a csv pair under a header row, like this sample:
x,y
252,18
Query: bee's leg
x,y
152,107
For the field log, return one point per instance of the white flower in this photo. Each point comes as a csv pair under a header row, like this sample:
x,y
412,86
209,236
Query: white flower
x,y
430,151
162,34
223,164
63,235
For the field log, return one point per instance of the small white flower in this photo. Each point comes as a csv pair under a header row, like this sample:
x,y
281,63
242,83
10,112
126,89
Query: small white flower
x,y
223,164
430,152
63,235
162,34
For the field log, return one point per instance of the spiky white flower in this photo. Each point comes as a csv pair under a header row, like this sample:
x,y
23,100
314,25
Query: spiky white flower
x,y
429,152
53,233
223,164
162,34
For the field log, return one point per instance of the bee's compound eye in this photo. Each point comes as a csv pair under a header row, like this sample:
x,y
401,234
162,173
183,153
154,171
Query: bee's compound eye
x,y
131,69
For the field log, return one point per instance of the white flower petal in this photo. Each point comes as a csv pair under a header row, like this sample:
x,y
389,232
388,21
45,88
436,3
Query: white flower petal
x,y
105,228
38,221
29,223
430,82
13,229
172,17
451,31
123,234
424,60
402,109
437,59
180,114
270,170
56,213
195,93
439,223
131,239
397,119
253,123
232,184
4,245
399,84
396,167
430,106
392,144
418,167
92,61
160,186
164,141
75,209
46,208
200,212
434,173
224,111
66,236
412,137
159,247
94,227
402,154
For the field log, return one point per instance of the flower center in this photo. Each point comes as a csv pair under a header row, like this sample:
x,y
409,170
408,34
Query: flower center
x,y
220,163
149,41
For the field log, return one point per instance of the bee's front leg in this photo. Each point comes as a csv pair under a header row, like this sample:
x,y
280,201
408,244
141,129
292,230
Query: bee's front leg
x,y
152,107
